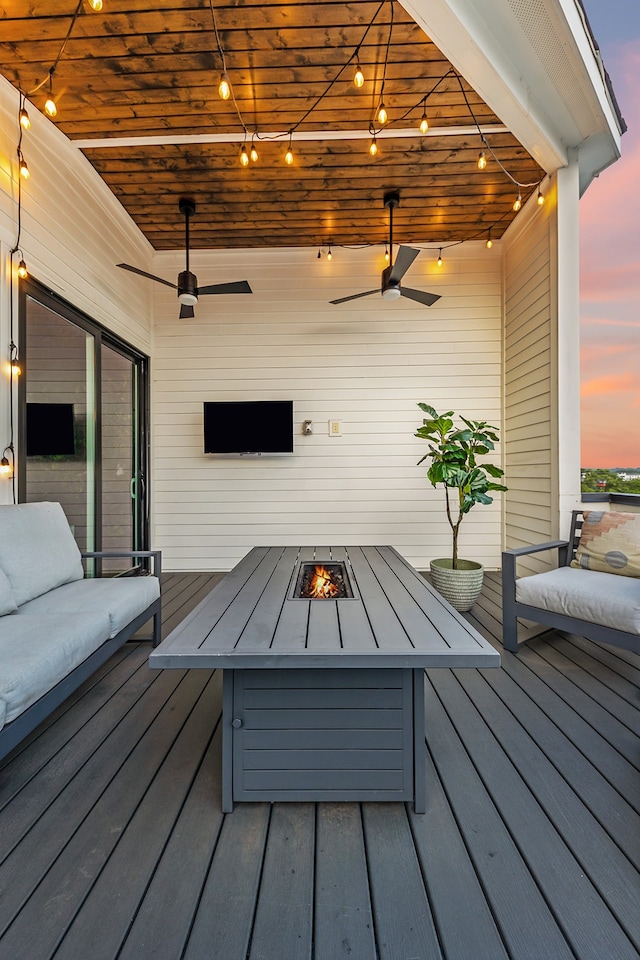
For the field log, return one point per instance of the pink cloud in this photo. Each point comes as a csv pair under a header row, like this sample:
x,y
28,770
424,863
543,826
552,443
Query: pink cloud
x,y
608,386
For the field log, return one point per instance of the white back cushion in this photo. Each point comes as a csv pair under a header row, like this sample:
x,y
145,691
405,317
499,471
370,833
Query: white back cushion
x,y
37,549
7,599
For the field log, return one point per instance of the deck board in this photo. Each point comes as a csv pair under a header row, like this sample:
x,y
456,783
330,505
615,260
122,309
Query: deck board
x,y
113,845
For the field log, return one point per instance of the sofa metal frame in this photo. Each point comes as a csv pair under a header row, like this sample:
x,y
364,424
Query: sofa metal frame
x,y
14,732
512,608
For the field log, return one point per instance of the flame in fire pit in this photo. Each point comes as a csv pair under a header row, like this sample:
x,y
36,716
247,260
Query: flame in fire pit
x,y
322,584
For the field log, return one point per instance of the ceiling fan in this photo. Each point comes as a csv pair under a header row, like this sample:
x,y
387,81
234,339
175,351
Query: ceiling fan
x,y
393,274
187,285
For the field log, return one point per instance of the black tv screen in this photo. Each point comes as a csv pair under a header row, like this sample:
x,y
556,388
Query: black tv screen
x,y
50,430
248,426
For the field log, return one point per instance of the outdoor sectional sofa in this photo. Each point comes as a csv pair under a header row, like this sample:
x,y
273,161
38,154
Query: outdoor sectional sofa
x,y
595,590
56,625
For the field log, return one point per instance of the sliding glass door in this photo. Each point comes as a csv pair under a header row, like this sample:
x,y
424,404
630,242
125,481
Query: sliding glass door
x,y
82,424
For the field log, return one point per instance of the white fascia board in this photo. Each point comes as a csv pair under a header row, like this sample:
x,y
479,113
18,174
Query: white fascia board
x,y
485,42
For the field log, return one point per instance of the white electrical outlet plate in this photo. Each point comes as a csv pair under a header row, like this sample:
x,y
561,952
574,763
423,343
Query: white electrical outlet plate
x,y
335,428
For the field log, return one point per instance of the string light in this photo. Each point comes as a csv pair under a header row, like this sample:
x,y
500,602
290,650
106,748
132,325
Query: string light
x,y
319,253
288,157
424,120
24,169
23,273
489,242
6,466
329,254
224,87
517,203
373,146
50,107
482,160
439,260
540,198
382,113
386,253
253,152
96,5
244,156
14,362
358,77
25,119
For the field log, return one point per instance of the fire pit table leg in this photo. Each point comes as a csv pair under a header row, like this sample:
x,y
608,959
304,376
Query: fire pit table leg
x,y
419,771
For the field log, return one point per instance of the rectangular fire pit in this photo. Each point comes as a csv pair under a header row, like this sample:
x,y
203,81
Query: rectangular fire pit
x,y
323,700
322,580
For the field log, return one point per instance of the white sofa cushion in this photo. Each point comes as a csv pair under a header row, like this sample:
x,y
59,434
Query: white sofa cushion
x,y
586,595
7,600
37,652
37,549
121,598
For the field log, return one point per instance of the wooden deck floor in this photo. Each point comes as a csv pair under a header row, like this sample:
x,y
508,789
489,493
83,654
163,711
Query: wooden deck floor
x,y
113,844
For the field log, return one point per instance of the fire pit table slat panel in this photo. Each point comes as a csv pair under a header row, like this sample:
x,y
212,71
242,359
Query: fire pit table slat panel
x,y
262,623
324,629
384,619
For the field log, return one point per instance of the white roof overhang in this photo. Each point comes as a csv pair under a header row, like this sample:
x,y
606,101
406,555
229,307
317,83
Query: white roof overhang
x,y
536,64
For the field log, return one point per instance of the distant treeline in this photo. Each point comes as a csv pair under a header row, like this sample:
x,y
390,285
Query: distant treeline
x,y
607,481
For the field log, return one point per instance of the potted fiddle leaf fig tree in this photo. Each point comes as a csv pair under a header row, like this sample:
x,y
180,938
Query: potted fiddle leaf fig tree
x,y
454,452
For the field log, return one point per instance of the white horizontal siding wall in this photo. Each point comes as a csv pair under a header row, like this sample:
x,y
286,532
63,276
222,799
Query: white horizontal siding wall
x,y
530,381
366,363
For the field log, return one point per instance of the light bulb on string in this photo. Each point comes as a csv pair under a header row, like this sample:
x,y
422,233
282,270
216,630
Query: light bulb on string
x,y
50,107
25,119
482,160
253,153
6,470
23,273
358,77
540,198
319,253
424,123
224,87
517,203
439,260
329,254
96,5
387,255
288,157
382,113
244,156
373,146
24,169
489,242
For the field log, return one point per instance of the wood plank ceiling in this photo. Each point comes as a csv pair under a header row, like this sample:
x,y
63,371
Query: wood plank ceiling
x,y
151,68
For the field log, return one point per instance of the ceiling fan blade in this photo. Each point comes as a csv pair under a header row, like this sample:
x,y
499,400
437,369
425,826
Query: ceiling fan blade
x,y
186,312
404,259
356,296
236,286
420,295
143,273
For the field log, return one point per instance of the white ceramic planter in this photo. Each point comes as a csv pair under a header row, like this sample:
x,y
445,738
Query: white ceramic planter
x,y
461,587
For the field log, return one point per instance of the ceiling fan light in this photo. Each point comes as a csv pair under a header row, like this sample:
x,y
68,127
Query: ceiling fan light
x,y
224,87
391,293
188,299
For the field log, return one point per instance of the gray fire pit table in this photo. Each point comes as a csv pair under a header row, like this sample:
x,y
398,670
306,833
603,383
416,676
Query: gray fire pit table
x,y
323,699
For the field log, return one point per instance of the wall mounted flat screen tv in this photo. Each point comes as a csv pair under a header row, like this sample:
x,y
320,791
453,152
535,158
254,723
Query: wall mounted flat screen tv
x,y
248,426
50,430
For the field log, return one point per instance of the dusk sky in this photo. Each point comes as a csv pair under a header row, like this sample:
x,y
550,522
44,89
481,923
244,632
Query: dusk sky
x,y
610,260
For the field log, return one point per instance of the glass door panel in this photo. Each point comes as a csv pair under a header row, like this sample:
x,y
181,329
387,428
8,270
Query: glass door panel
x,y
60,434
120,472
